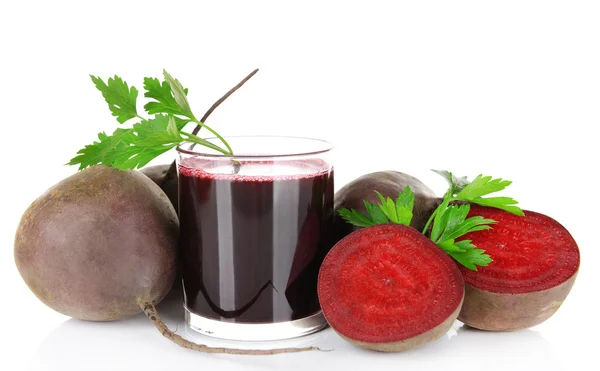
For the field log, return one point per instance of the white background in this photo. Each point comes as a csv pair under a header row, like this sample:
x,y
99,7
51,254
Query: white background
x,y
506,88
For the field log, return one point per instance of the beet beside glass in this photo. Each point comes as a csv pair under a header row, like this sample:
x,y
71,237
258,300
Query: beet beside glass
x,y
255,228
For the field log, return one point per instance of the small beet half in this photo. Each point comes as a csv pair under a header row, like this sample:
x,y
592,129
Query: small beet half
x,y
389,288
535,264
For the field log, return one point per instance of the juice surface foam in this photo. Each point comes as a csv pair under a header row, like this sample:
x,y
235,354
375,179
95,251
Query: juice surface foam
x,y
253,171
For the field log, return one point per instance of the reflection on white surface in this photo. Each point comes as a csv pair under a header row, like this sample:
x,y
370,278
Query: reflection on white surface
x,y
134,344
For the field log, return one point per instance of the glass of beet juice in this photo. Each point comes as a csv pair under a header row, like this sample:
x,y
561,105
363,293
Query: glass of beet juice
x,y
255,228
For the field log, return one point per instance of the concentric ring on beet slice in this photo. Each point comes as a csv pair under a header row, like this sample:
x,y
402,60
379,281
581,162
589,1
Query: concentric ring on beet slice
x,y
389,288
535,262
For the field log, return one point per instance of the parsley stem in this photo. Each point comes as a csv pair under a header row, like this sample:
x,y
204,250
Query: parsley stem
x,y
216,135
435,212
447,199
203,142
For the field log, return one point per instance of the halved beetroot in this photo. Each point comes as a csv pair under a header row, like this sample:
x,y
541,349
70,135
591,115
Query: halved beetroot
x,y
535,264
389,288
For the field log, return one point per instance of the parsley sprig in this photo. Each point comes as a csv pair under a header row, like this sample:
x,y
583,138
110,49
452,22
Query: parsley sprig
x,y
460,189
449,220
399,212
150,137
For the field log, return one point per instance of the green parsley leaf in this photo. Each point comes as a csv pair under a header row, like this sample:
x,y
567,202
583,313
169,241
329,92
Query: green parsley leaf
x,y
451,223
440,220
100,152
468,255
157,131
181,123
375,212
171,98
179,94
404,206
131,148
134,147
172,128
163,98
481,186
388,207
399,212
484,185
120,98
461,190
456,184
356,218
504,203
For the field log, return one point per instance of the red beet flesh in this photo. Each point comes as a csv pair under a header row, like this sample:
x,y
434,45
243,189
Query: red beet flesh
x,y
535,265
530,253
389,284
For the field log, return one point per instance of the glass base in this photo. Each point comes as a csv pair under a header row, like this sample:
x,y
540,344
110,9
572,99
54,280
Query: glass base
x,y
255,331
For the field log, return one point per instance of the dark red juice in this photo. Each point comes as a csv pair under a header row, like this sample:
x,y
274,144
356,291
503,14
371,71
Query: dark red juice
x,y
251,243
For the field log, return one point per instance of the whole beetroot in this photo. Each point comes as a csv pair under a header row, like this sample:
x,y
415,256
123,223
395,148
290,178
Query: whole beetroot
x,y
165,176
99,244
389,184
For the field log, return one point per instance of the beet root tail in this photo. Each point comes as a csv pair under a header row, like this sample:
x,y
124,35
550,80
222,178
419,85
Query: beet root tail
x,y
151,312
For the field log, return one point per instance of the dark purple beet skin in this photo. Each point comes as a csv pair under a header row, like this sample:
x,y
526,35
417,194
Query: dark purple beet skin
x,y
252,245
389,184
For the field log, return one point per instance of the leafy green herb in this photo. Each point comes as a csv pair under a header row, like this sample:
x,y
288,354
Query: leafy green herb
x,y
356,218
456,184
120,98
164,102
466,254
134,147
462,190
449,220
399,212
451,223
179,94
484,185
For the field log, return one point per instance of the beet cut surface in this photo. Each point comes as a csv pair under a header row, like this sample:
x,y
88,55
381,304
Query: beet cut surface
x,y
389,284
531,253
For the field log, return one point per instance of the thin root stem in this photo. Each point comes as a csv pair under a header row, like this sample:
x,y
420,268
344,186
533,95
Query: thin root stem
x,y
152,314
222,99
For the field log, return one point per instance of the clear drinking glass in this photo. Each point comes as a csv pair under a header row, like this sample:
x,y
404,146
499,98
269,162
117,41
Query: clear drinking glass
x,y
255,228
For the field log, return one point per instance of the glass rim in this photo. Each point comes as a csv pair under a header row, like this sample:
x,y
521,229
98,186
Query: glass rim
x,y
328,147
